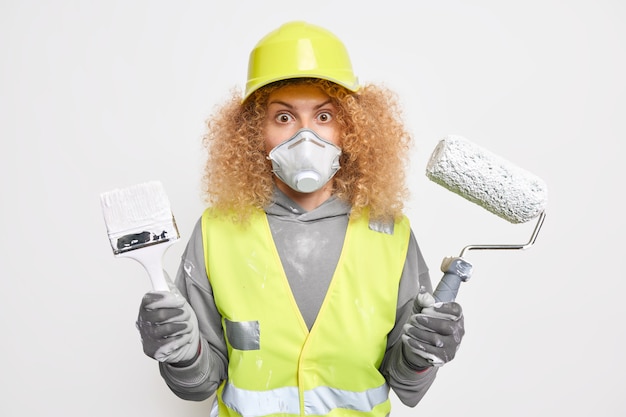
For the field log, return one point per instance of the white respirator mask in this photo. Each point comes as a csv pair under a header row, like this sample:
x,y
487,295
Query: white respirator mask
x,y
305,162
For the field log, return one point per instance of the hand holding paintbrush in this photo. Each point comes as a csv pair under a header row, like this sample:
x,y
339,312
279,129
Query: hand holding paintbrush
x,y
141,226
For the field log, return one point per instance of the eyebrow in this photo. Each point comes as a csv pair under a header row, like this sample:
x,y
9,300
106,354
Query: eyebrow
x,y
291,106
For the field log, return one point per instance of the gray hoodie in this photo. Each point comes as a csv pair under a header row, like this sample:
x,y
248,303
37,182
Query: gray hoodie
x,y
309,245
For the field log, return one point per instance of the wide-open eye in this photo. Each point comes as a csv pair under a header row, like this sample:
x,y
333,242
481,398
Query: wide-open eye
x,y
325,117
284,117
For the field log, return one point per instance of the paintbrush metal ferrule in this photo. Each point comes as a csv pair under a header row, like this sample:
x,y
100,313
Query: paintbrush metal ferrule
x,y
144,236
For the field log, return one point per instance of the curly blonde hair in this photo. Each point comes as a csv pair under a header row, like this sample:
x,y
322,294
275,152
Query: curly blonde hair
x,y
375,147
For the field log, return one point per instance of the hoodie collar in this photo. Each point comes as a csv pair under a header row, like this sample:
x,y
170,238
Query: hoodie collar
x,y
283,206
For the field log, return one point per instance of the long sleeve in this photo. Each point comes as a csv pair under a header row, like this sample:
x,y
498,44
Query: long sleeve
x,y
409,385
201,379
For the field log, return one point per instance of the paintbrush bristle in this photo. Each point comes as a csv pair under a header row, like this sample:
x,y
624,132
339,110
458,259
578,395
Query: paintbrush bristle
x,y
138,216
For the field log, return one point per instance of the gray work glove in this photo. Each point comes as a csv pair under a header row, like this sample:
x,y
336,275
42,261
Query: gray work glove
x,y
168,327
433,333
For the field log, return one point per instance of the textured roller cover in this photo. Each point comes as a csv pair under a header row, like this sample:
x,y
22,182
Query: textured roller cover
x,y
486,179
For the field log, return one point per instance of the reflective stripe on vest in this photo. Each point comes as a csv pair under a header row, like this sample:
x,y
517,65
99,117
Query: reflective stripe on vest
x,y
276,366
318,401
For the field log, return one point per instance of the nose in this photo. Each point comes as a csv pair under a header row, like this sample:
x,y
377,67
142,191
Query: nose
x,y
306,124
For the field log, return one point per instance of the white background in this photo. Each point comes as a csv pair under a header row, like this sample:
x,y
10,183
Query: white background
x,y
104,94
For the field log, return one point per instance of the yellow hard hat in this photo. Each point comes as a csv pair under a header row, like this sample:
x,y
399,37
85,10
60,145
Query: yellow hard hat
x,y
298,50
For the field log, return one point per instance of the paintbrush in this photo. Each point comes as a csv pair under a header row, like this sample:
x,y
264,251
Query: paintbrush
x,y
141,226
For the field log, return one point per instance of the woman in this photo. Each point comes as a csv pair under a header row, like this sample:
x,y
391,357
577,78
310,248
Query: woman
x,y
302,290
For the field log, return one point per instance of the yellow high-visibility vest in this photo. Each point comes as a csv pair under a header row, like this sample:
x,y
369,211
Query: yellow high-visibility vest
x,y
276,367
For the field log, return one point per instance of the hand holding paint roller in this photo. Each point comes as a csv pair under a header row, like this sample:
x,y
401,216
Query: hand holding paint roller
x,y
490,181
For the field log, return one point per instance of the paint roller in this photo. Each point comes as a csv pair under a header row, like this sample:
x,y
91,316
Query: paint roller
x,y
493,183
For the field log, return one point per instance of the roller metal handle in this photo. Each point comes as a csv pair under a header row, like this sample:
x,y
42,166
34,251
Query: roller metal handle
x,y
456,270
